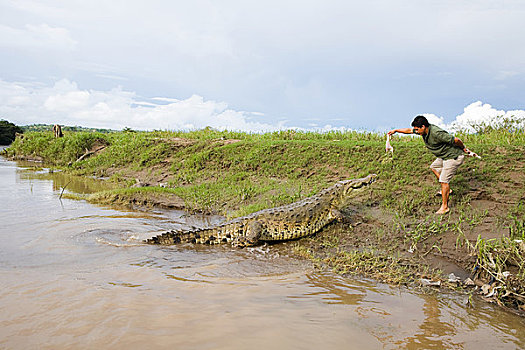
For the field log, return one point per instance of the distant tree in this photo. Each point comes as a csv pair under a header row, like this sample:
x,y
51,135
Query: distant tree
x,y
8,132
47,127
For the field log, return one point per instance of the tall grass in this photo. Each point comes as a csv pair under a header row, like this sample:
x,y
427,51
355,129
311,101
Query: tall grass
x,y
56,151
262,163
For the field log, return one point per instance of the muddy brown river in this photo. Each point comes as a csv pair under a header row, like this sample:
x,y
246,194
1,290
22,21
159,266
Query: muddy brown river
x,y
76,276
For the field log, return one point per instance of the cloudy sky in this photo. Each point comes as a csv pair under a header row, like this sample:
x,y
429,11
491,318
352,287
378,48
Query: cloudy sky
x,y
260,65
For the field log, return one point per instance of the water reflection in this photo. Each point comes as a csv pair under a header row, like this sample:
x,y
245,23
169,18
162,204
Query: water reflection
x,y
400,318
75,184
432,332
335,290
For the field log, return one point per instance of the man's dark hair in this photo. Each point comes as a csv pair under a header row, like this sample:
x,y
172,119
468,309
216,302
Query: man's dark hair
x,y
419,121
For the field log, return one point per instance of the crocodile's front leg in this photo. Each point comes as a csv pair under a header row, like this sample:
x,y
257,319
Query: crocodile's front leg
x,y
336,215
254,231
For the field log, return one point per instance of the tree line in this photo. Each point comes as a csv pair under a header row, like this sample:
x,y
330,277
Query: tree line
x,y
8,132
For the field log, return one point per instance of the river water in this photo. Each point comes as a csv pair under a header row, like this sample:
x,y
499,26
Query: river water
x,y
76,276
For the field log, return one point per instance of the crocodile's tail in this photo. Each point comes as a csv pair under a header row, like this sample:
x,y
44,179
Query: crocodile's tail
x,y
195,235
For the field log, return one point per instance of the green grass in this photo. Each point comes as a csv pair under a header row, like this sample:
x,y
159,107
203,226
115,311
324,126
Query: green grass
x,y
274,168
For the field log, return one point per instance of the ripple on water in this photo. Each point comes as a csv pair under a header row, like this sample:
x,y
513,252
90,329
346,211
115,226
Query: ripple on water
x,y
113,237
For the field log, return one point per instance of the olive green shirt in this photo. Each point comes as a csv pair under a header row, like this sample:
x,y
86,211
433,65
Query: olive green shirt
x,y
441,143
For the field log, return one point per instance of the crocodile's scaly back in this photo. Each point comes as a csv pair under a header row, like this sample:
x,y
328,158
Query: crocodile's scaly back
x,y
291,221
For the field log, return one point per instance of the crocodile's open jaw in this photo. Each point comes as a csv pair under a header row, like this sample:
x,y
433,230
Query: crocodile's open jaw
x,y
349,186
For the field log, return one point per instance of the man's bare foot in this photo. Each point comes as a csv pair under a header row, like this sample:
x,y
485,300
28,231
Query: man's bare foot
x,y
442,211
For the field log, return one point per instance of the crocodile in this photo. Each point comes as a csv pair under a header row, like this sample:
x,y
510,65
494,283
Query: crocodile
x,y
292,221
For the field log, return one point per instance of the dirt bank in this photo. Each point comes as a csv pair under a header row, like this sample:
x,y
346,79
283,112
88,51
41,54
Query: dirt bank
x,y
429,252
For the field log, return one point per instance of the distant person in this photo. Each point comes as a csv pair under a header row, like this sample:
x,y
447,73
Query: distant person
x,y
57,131
448,150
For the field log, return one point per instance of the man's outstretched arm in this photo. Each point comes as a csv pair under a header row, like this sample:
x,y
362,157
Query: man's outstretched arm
x,y
401,131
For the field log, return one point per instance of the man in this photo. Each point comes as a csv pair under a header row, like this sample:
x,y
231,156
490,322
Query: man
x,y
448,150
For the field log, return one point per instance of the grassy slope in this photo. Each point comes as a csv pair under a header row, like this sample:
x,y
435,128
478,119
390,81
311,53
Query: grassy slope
x,y
237,173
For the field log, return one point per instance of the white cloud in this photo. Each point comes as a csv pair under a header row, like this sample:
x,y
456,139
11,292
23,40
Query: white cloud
x,y
165,99
68,101
483,113
505,74
65,103
434,119
36,37
478,114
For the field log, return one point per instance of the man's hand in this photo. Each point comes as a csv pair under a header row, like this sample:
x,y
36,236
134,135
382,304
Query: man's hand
x,y
402,131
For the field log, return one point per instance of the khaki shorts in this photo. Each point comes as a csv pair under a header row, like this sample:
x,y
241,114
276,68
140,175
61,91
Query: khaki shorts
x,y
447,168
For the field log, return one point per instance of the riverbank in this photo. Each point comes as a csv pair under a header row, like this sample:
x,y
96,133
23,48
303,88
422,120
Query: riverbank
x,y
391,232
